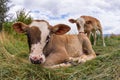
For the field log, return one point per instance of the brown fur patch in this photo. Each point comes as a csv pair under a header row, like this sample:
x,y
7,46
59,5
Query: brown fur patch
x,y
78,26
33,35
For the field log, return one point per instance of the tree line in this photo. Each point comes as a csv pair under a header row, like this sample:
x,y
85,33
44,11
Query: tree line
x,y
21,15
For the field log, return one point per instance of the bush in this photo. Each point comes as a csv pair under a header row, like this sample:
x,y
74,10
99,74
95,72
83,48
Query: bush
x,y
24,17
7,27
21,16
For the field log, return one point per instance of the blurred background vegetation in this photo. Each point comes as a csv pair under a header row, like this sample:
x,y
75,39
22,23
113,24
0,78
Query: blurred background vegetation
x,y
21,16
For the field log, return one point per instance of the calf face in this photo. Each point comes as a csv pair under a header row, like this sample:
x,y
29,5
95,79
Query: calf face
x,y
79,22
37,33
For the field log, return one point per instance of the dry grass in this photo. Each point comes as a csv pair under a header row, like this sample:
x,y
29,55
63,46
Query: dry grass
x,y
14,63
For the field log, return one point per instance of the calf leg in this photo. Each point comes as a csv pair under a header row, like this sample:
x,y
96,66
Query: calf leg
x,y
101,33
83,58
54,60
59,65
94,35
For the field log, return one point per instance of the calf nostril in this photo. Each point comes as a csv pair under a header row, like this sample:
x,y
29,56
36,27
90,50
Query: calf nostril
x,y
41,59
34,58
35,61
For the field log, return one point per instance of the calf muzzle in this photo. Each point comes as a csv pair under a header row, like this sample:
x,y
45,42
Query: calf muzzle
x,y
36,61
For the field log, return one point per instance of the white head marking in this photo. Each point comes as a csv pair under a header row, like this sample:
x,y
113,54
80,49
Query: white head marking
x,y
81,23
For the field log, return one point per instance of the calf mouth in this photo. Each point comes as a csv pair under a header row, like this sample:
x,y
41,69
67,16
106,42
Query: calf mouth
x,y
36,61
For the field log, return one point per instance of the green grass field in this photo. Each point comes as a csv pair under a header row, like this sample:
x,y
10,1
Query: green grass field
x,y
14,63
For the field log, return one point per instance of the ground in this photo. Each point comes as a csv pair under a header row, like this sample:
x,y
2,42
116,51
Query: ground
x,y
14,63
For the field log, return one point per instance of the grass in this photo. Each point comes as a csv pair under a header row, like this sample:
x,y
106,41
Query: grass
x,y
14,63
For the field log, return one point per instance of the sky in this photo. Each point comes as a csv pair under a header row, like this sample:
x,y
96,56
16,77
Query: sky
x,y
59,11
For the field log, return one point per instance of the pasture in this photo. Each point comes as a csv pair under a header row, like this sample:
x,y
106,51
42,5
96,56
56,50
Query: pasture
x,y
14,63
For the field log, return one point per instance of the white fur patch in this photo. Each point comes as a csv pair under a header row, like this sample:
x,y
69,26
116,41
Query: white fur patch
x,y
37,50
81,22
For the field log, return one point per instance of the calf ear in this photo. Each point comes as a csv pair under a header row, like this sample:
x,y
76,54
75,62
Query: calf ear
x,y
72,20
60,29
20,27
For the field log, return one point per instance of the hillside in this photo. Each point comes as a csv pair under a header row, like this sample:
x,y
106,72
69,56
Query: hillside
x,y
14,63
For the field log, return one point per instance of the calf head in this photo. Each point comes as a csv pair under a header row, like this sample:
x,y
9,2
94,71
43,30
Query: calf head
x,y
88,26
79,22
37,33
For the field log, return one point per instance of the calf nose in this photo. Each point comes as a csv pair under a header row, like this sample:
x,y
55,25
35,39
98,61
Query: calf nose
x,y
36,60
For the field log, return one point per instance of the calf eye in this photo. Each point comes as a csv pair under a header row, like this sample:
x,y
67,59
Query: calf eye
x,y
40,43
47,39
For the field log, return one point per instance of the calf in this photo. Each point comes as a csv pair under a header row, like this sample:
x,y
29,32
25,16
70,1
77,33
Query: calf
x,y
90,24
51,48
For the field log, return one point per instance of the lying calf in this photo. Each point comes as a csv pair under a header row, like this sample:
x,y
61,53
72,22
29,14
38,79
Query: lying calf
x,y
51,48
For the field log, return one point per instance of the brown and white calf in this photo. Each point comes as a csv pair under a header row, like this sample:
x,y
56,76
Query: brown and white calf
x,y
51,48
89,24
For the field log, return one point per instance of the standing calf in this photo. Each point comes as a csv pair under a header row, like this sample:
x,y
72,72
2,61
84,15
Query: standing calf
x,y
51,48
90,24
